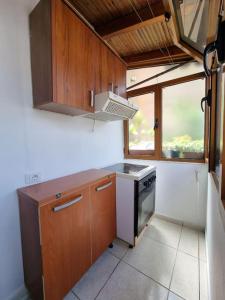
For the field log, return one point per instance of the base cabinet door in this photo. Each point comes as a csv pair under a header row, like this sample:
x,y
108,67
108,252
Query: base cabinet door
x,y
66,243
103,215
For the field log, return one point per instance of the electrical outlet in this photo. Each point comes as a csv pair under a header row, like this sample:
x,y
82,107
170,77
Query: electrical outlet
x,y
32,178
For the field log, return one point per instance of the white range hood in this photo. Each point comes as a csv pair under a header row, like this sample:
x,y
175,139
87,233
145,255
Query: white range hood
x,y
111,107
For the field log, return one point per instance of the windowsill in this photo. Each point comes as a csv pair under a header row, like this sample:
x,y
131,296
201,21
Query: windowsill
x,y
149,157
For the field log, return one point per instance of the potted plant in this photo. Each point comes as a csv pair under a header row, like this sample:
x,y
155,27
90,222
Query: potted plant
x,y
171,150
194,150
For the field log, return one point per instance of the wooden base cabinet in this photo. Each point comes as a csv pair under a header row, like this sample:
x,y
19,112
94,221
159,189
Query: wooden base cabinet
x,y
64,232
67,69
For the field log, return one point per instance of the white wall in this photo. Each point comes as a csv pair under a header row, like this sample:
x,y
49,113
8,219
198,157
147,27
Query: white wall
x,y
177,194
56,145
215,241
32,140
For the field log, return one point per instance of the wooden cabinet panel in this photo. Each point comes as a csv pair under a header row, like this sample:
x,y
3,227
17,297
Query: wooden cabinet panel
x,y
93,70
66,242
71,57
103,215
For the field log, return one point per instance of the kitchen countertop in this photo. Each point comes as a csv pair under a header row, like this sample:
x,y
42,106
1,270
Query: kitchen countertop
x,y
45,191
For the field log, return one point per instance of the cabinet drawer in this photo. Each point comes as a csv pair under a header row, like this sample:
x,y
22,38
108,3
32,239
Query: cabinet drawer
x,y
66,242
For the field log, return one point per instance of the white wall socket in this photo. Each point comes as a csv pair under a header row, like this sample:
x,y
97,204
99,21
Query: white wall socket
x,y
32,178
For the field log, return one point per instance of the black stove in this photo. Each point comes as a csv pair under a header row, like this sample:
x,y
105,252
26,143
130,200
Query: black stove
x,y
126,168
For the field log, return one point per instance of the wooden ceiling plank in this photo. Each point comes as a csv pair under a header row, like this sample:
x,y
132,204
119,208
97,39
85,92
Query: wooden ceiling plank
x,y
130,19
156,57
134,27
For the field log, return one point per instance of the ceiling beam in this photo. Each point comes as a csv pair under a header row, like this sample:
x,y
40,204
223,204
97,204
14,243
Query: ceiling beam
x,y
137,26
131,19
157,58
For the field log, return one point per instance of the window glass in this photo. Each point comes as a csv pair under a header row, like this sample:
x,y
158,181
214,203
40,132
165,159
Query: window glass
x,y
141,127
137,75
183,120
192,17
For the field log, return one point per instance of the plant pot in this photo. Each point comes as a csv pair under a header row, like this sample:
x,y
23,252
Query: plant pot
x,y
193,155
167,153
171,153
175,153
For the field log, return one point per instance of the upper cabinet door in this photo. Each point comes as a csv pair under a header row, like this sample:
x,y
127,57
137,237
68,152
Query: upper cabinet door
x,y
121,78
66,242
71,58
103,215
113,72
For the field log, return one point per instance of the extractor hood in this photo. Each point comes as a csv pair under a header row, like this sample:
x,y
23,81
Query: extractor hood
x,y
111,107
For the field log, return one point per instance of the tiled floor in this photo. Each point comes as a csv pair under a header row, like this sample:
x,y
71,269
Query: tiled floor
x,y
169,263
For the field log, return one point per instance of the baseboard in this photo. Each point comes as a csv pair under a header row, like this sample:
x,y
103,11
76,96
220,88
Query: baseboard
x,y
20,294
179,222
166,218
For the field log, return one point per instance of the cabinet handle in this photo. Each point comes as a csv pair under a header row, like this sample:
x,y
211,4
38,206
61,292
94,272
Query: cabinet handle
x,y
100,188
92,98
60,207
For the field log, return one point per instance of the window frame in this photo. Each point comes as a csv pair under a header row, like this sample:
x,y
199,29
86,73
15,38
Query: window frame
x,y
157,153
217,101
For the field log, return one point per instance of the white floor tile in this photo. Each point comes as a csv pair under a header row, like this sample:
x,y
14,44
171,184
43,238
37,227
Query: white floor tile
x,y
163,231
153,259
189,241
202,246
70,296
128,284
92,282
185,281
172,296
119,248
203,281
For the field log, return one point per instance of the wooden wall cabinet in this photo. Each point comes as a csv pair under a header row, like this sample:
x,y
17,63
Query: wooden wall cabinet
x,y
66,224
69,61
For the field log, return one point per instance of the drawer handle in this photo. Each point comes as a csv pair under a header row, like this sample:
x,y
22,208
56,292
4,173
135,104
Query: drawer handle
x,y
92,98
100,188
65,205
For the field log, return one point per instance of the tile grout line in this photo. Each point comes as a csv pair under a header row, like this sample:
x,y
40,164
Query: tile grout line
x,y
145,275
75,295
107,279
161,243
175,248
120,259
175,257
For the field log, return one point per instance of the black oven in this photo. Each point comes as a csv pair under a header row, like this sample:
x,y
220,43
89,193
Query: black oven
x,y
144,206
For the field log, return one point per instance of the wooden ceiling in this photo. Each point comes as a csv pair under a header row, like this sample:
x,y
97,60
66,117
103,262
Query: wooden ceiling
x,y
136,29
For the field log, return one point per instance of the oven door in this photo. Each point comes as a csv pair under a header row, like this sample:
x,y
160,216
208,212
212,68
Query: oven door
x,y
144,202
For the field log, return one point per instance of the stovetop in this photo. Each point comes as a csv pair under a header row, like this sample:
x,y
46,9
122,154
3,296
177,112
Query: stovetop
x,y
126,168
